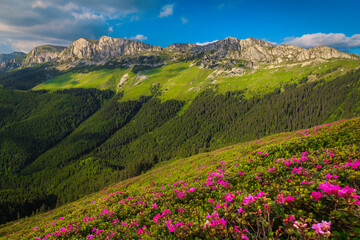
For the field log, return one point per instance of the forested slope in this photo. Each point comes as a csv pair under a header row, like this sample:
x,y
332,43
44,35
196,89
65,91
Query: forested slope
x,y
125,138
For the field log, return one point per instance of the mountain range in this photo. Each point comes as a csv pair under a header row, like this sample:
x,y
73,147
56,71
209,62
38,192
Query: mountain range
x,y
253,51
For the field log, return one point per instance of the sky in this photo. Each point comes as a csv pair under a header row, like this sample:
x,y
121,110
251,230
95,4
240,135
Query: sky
x,y
25,24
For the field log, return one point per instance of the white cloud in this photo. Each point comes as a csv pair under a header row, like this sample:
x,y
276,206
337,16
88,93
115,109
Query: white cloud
x,y
63,21
111,29
335,40
206,43
166,10
184,20
139,37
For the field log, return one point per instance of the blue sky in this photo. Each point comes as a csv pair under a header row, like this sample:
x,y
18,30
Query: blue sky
x,y
304,23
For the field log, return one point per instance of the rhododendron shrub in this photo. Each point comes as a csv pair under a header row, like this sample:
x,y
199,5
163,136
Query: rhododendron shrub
x,y
301,186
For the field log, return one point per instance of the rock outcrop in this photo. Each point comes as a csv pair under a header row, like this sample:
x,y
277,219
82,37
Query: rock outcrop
x,y
105,48
11,61
42,54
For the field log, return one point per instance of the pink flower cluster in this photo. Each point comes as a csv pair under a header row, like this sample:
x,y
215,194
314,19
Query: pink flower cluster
x,y
354,165
317,195
322,228
280,198
229,197
329,176
216,178
214,220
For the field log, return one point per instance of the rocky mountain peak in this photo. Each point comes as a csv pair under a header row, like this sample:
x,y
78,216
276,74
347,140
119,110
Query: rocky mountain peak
x,y
254,41
105,49
42,54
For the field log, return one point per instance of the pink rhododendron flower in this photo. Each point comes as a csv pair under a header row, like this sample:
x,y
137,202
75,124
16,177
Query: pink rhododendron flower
x,y
240,173
322,228
329,188
280,198
154,206
170,226
156,218
329,176
229,197
178,224
290,218
271,169
354,165
248,200
166,212
317,195
346,192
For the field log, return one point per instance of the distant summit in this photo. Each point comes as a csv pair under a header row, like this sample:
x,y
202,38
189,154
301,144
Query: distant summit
x,y
11,60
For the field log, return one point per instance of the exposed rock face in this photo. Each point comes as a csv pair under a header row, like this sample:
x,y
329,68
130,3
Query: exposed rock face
x,y
258,51
42,54
11,61
105,48
229,51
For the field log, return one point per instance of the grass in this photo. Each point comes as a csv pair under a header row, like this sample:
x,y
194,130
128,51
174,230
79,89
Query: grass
x,y
101,79
265,186
265,80
182,81
178,81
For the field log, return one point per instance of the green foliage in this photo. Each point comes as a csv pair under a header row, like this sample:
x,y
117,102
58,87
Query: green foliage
x,y
262,190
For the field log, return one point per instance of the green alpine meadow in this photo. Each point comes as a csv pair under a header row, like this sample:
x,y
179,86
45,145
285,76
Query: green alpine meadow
x,y
161,119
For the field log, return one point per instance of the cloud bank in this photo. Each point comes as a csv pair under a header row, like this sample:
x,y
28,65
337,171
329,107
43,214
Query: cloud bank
x,y
25,24
336,40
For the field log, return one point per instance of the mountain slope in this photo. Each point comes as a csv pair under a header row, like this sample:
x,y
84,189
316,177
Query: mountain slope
x,y
278,187
185,80
224,59
125,138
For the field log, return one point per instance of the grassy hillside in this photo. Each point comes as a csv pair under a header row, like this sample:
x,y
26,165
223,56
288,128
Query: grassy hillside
x,y
184,81
102,79
302,184
125,138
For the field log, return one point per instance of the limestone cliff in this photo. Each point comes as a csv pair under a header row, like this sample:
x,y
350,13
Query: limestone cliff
x,y
42,54
105,48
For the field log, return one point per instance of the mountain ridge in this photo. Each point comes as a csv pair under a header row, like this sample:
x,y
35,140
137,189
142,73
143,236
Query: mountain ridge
x,y
254,51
